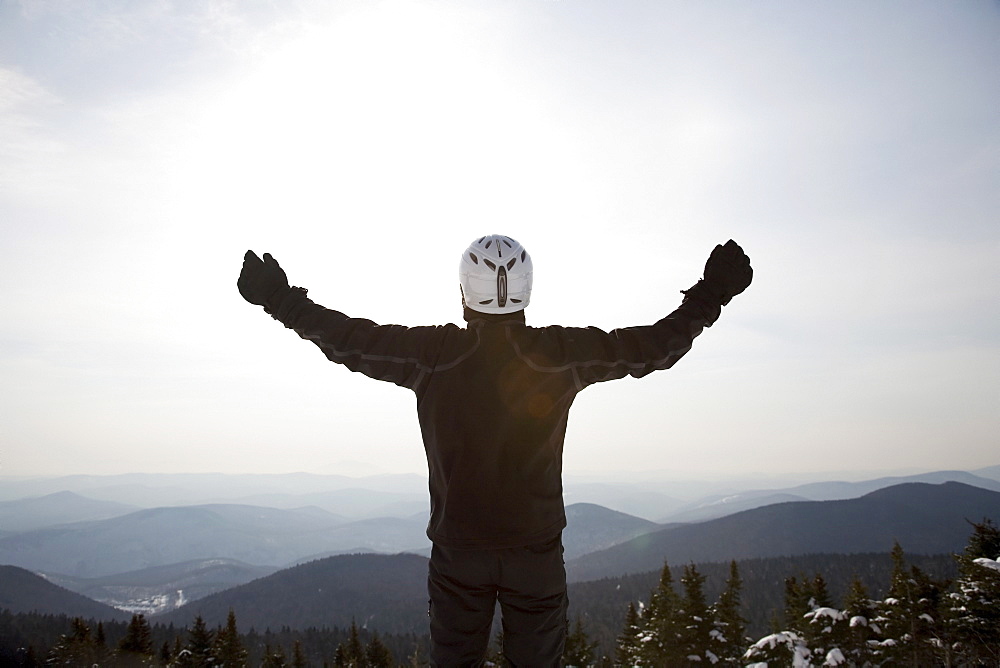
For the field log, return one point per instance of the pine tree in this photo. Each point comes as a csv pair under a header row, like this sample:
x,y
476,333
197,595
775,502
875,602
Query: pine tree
x,y
298,656
662,627
910,616
696,624
229,651
728,634
99,638
351,652
198,651
102,652
138,637
579,651
273,657
782,648
819,597
75,649
789,644
863,631
377,654
974,607
796,605
627,647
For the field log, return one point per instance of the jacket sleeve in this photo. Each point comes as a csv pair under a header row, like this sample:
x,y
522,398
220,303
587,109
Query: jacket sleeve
x,y
638,351
393,353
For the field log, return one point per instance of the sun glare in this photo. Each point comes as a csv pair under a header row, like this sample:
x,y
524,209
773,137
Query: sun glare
x,y
399,106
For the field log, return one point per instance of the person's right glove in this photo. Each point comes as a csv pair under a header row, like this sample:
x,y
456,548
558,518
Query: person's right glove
x,y
727,273
260,281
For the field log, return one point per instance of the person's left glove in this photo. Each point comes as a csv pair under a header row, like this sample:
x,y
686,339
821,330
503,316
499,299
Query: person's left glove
x,y
728,271
261,280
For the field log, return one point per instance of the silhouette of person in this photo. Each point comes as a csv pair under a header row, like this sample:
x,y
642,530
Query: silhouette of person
x,y
493,400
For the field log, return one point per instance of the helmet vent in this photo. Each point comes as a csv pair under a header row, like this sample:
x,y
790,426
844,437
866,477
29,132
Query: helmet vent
x,y
510,265
490,264
474,258
524,254
488,243
516,301
486,301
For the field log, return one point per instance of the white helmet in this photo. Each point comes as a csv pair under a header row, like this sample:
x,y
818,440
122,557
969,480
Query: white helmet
x,y
495,275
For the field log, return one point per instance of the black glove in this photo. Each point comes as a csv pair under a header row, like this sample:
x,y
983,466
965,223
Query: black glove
x,y
261,281
727,273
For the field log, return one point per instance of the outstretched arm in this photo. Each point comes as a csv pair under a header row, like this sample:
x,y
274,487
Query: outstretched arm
x,y
637,351
391,353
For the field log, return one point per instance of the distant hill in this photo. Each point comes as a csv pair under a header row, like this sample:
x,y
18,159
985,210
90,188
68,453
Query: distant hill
x,y
160,536
23,591
353,503
715,506
991,472
719,505
55,509
590,527
385,592
164,588
829,491
149,490
926,519
640,499
252,535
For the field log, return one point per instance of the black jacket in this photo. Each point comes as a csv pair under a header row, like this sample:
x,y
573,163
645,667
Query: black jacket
x,y
493,400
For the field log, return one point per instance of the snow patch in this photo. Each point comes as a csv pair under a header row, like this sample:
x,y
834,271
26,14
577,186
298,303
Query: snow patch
x,y
988,563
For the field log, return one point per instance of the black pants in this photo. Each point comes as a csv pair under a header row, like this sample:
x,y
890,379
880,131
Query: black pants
x,y
464,587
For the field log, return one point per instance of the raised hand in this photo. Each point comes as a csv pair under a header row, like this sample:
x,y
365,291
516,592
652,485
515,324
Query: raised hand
x,y
728,271
260,280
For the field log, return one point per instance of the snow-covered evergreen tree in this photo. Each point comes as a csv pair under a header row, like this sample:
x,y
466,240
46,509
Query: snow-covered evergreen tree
x,y
783,648
663,627
628,645
797,604
199,651
579,650
728,634
695,621
863,631
910,617
274,657
974,606
76,649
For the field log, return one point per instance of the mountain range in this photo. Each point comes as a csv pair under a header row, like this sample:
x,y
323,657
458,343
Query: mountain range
x,y
924,518
653,496
162,536
154,559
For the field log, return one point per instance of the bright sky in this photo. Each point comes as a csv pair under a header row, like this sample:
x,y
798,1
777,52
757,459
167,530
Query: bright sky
x,y
852,148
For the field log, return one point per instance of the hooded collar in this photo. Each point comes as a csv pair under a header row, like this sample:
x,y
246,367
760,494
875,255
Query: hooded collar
x,y
477,319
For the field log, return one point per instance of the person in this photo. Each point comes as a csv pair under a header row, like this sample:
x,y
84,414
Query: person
x,y
493,400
